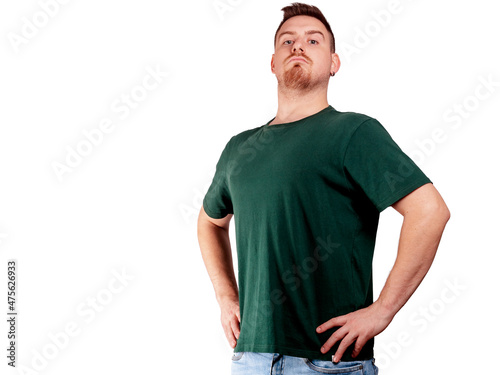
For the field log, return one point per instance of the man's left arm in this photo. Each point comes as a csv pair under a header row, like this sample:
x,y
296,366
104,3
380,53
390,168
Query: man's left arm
x,y
425,216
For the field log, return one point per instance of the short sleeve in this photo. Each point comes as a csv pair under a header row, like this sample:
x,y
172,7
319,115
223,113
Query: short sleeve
x,y
217,201
376,165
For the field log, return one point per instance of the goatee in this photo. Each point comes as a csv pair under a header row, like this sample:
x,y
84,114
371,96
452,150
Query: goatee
x,y
297,78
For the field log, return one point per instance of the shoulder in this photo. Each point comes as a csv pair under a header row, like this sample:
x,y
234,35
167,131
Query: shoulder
x,y
244,137
245,134
346,124
351,119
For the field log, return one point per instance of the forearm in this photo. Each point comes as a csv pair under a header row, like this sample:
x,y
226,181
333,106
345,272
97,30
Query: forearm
x,y
216,252
419,239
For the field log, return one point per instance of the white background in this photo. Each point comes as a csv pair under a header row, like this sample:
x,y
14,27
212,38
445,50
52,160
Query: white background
x,y
131,204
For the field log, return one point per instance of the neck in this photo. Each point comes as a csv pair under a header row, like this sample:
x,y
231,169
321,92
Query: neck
x,y
294,105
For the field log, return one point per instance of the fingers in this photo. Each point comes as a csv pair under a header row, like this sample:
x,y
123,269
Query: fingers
x,y
228,331
231,329
344,344
360,342
358,326
334,322
347,339
235,326
338,335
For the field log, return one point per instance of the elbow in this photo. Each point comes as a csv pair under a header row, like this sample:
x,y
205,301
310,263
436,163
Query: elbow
x,y
425,206
437,212
442,215
446,213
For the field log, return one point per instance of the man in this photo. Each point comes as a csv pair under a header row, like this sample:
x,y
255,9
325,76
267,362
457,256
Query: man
x,y
306,190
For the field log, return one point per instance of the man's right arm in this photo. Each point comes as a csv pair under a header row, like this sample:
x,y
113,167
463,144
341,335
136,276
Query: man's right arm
x,y
213,238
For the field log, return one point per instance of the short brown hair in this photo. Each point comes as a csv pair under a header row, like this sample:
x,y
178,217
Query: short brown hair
x,y
300,9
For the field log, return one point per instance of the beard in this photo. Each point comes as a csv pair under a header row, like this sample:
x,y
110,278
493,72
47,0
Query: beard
x,y
297,78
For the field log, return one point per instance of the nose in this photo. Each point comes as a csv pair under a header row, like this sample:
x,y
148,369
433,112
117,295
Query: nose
x,y
297,46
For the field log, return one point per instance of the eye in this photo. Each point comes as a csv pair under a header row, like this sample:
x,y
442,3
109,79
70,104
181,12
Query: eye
x,y
286,42
315,41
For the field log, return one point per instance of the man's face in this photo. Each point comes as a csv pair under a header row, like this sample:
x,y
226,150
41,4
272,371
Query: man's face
x,y
302,59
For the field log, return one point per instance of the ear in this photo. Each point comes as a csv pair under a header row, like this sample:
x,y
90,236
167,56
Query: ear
x,y
272,64
335,66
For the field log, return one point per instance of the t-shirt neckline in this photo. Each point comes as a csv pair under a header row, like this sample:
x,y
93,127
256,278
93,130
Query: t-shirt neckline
x,y
297,122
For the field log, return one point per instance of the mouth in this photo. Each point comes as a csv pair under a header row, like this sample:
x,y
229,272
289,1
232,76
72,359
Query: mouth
x,y
297,59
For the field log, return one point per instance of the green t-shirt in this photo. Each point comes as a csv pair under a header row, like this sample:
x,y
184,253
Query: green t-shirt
x,y
306,198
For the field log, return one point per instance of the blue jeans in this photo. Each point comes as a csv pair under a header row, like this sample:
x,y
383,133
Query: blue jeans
x,y
250,363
